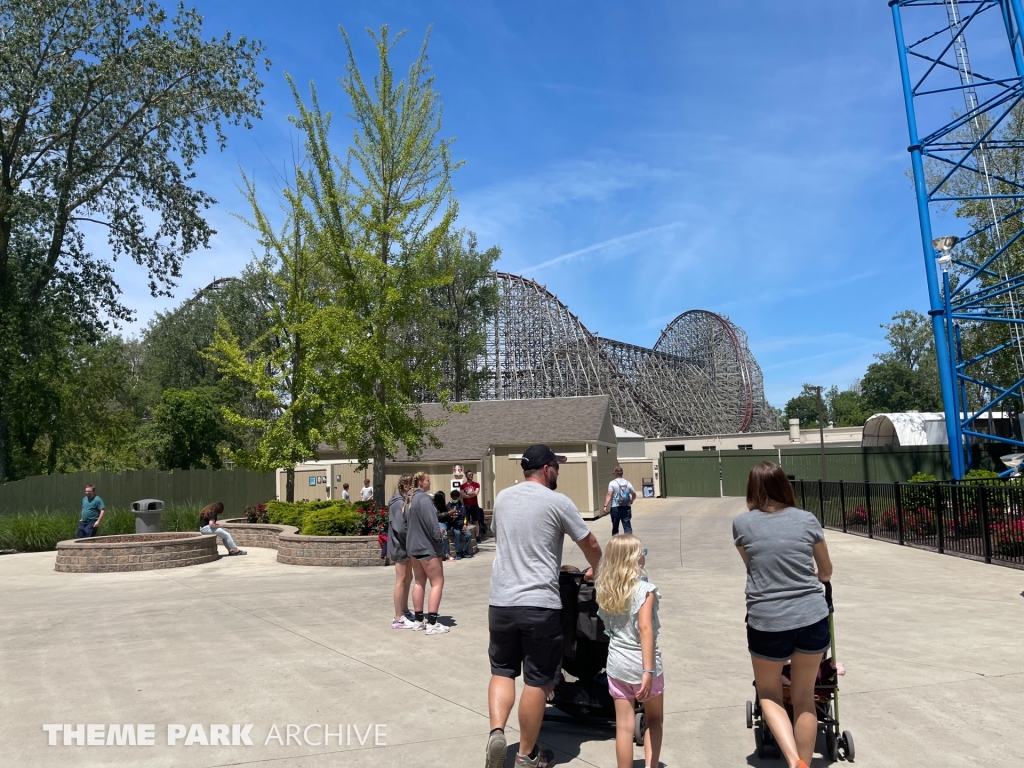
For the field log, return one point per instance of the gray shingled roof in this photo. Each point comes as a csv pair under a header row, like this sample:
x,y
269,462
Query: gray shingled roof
x,y
510,422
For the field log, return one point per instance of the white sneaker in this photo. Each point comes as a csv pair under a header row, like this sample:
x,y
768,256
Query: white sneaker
x,y
418,625
438,629
402,623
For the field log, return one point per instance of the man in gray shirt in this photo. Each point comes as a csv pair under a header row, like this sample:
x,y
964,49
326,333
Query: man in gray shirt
x,y
524,617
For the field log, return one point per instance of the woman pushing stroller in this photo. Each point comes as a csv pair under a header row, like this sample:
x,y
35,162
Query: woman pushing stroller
x,y
787,559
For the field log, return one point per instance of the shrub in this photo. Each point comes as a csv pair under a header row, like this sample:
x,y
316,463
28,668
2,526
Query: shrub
x,y
984,474
922,477
374,520
256,513
1008,538
858,516
336,520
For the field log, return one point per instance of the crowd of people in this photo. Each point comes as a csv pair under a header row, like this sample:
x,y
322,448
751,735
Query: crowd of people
x,y
782,548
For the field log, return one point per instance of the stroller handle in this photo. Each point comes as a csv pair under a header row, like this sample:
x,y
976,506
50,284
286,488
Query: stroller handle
x,y
828,596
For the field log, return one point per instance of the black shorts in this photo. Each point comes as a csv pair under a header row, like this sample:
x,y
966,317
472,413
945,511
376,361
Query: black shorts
x,y
526,637
780,646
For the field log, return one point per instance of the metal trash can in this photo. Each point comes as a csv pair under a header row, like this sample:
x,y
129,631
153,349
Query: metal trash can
x,y
147,515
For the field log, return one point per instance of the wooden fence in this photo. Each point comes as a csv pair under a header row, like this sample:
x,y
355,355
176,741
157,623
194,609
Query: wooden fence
x,y
237,488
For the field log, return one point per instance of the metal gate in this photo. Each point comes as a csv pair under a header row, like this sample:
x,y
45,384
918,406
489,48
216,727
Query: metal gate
x,y
695,474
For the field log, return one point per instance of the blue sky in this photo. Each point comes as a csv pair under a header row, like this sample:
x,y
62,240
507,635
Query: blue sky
x,y
641,159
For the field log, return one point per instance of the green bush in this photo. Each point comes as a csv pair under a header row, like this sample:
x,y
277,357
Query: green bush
x,y
291,513
922,477
40,531
984,474
335,520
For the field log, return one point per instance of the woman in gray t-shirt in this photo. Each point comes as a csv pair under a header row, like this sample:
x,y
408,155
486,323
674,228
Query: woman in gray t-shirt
x,y
784,551
423,543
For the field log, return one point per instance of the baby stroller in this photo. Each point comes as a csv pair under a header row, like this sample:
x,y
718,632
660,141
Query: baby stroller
x,y
584,654
838,745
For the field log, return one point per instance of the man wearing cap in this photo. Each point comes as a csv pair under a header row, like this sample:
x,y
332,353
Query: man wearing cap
x,y
530,524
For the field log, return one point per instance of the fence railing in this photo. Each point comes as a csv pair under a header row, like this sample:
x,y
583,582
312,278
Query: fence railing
x,y
978,520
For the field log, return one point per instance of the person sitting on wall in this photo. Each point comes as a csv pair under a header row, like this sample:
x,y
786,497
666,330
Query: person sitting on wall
x,y
208,524
460,523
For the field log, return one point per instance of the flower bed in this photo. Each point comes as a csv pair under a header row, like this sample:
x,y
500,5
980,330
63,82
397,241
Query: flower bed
x,y
296,549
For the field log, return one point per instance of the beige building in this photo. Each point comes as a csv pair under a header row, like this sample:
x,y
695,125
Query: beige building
x,y
489,440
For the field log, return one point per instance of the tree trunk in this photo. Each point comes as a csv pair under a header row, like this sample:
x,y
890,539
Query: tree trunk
x,y
379,459
289,484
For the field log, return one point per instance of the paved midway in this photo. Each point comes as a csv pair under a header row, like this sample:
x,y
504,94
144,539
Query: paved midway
x,y
932,645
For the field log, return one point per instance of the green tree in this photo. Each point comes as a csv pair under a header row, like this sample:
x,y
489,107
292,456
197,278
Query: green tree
x,y
804,407
845,408
104,107
381,219
465,306
290,366
187,429
891,386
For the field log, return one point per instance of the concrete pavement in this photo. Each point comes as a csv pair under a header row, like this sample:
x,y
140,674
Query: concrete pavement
x,y
932,645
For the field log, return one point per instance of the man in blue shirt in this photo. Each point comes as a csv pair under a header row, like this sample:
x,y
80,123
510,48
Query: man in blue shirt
x,y
92,514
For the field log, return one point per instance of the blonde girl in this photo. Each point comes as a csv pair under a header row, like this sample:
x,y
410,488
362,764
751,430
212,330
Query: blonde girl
x,y
629,608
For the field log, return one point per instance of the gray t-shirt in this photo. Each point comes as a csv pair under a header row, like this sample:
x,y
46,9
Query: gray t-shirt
x,y
530,525
625,654
783,591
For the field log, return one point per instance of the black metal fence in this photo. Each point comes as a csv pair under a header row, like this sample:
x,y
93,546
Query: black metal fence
x,y
982,520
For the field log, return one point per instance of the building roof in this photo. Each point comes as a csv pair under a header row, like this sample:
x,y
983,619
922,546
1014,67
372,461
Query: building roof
x,y
514,422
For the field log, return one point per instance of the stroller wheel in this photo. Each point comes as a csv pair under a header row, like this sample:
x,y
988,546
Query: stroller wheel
x,y
750,714
831,745
847,744
639,727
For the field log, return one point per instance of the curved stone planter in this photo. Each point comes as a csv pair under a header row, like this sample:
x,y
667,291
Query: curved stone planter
x,y
295,549
135,552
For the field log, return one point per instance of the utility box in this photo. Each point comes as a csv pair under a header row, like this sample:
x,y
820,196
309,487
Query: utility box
x,y
147,515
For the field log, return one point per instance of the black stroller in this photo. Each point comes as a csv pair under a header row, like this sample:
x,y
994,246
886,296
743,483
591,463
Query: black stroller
x,y
838,744
585,699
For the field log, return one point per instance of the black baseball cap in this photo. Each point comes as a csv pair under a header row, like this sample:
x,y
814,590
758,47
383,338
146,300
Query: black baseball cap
x,y
537,456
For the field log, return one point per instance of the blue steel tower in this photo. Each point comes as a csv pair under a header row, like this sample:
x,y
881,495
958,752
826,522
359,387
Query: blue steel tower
x,y
962,128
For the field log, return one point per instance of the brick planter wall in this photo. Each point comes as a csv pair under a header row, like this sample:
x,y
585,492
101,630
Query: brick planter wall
x,y
295,549
136,552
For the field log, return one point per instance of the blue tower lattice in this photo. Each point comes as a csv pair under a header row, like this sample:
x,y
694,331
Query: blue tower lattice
x,y
958,121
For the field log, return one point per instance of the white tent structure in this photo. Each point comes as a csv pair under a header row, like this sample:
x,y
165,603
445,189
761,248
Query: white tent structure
x,y
911,428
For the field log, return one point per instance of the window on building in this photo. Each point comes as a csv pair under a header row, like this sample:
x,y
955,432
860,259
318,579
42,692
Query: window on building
x,y
675,447
707,448
748,447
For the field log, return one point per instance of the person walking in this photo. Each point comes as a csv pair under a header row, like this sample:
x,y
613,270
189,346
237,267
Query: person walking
x,y
470,492
629,608
524,620
208,524
345,495
366,492
787,560
92,514
397,509
619,500
423,542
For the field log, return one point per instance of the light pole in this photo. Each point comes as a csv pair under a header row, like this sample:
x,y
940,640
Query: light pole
x,y
821,430
943,246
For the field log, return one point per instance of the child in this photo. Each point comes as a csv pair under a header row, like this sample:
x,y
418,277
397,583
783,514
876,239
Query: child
x,y
629,608
459,524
